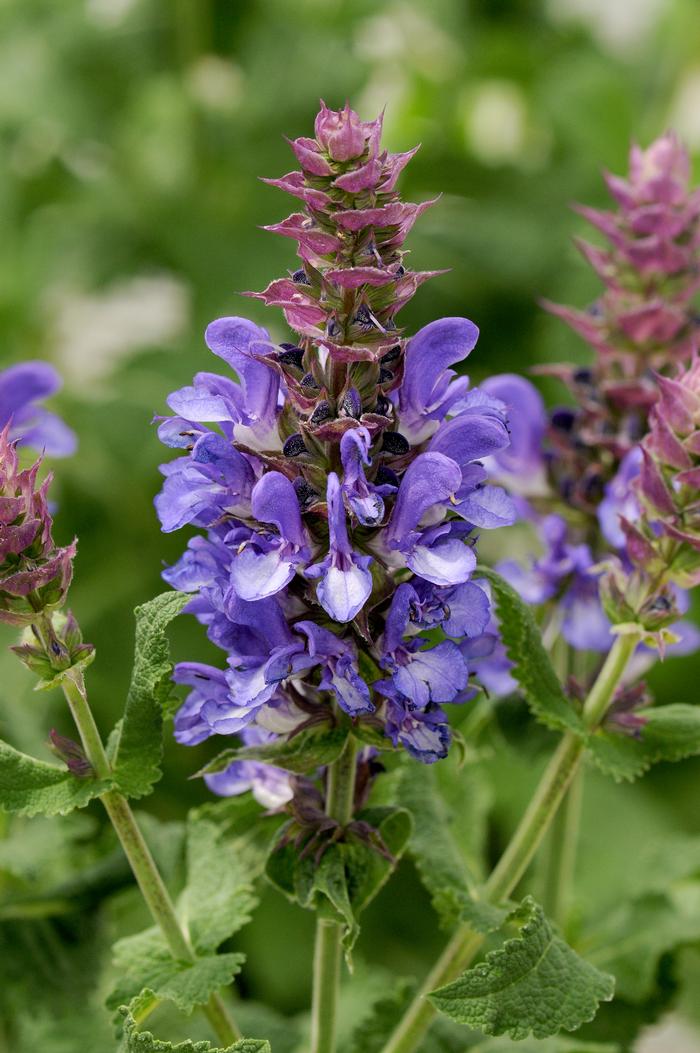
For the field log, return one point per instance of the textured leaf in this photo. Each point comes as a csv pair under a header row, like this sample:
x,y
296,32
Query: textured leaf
x,y
547,1045
671,733
631,939
33,787
371,1034
531,665
533,985
138,751
439,859
342,885
303,753
135,1041
144,962
219,897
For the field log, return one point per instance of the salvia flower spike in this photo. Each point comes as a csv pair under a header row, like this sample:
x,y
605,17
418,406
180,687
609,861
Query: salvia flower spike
x,y
338,464
34,572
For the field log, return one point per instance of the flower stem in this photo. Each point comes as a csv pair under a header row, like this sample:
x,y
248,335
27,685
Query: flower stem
x,y
138,854
327,951
561,860
555,780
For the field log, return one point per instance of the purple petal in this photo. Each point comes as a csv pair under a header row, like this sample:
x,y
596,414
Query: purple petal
x,y
527,420
448,562
275,501
429,481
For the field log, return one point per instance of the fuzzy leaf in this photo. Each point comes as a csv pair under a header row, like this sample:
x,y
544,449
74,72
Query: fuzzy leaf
x,y
32,787
303,753
372,1033
342,885
631,939
671,733
145,962
531,665
135,1041
219,897
439,860
533,985
139,748
548,1045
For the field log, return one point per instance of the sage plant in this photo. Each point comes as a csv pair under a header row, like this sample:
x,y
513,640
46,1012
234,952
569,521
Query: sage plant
x,y
337,482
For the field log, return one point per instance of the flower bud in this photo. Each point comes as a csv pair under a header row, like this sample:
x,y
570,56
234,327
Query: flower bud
x,y
340,133
34,572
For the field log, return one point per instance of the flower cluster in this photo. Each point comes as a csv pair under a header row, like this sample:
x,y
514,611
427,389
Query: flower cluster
x,y
339,480
645,318
34,572
592,478
22,387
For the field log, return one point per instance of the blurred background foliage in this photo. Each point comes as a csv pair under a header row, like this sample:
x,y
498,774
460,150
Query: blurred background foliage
x,y
132,135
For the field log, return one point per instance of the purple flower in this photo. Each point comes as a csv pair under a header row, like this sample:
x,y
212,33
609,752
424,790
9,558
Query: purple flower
x,y
213,481
420,676
365,500
522,461
271,786
22,387
620,499
428,389
266,562
565,572
344,579
433,553
425,734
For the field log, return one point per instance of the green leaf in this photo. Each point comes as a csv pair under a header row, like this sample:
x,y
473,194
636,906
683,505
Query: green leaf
x,y
670,733
372,1033
32,787
138,751
135,1041
630,940
533,984
531,665
47,683
350,872
144,962
438,856
547,1045
219,897
303,753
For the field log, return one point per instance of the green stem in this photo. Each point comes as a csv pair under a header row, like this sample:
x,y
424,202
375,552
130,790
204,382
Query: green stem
x,y
562,852
555,780
138,854
327,952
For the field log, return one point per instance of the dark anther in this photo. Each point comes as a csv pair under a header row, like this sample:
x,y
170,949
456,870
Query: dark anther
x,y
291,356
294,446
364,318
306,495
583,376
322,412
399,272
308,381
55,648
390,356
563,419
394,443
385,375
385,477
352,403
332,328
390,325
300,278
594,488
383,405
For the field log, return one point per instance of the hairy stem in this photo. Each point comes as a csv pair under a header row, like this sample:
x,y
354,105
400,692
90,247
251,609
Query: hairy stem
x,y
138,854
562,852
327,952
555,780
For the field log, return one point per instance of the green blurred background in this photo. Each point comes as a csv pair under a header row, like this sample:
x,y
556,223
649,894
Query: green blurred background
x,y
133,133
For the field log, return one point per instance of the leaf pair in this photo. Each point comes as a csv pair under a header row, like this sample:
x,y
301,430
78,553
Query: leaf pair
x,y
667,733
33,787
347,874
